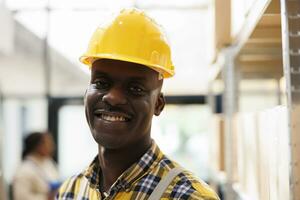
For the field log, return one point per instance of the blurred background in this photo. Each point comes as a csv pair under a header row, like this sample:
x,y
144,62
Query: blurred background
x,y
232,113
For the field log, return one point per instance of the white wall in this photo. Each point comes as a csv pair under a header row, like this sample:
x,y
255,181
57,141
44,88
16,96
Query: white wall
x,y
7,31
12,139
16,125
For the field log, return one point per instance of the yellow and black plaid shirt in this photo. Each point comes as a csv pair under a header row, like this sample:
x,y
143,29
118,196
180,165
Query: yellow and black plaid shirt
x,y
137,182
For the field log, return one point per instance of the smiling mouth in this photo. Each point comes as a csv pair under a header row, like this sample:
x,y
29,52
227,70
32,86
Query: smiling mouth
x,y
112,117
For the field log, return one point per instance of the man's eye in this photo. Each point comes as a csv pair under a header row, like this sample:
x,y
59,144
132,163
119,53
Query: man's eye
x,y
101,84
136,89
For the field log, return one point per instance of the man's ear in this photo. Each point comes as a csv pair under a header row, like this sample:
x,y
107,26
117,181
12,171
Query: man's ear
x,y
84,96
85,106
160,104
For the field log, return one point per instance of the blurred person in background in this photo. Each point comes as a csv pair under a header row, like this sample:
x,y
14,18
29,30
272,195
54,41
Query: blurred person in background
x,y
129,58
37,176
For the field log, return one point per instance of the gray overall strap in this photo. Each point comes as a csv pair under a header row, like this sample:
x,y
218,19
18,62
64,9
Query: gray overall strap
x,y
164,183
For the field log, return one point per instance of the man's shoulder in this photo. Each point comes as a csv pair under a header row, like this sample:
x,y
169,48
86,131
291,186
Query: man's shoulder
x,y
70,187
186,185
201,190
72,180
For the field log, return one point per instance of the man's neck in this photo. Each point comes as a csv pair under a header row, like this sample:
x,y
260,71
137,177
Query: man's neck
x,y
114,162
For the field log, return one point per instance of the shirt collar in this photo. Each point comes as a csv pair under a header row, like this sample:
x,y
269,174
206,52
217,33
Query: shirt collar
x,y
92,173
146,163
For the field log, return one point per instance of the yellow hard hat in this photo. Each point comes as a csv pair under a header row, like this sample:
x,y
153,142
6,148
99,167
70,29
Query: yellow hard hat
x,y
133,37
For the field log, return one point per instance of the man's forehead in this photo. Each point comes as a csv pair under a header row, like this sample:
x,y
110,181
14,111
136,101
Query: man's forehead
x,y
115,67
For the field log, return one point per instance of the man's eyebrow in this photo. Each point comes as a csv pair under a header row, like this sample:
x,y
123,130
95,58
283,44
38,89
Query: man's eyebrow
x,y
138,78
99,73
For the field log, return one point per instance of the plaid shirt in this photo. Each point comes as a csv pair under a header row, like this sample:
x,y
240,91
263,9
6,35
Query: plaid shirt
x,y
137,182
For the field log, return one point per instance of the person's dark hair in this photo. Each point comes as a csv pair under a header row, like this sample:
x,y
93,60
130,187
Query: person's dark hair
x,y
31,142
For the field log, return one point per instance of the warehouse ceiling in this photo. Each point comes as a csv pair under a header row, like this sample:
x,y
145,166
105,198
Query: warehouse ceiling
x,y
68,26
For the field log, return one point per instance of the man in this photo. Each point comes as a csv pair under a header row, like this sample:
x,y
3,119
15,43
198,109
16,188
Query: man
x,y
129,57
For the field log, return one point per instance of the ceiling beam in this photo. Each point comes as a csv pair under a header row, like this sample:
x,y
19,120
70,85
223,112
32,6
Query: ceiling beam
x,y
274,7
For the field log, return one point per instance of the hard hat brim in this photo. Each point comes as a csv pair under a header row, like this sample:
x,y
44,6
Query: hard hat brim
x,y
89,59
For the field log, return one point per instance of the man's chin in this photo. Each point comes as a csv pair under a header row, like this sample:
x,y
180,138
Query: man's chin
x,y
109,143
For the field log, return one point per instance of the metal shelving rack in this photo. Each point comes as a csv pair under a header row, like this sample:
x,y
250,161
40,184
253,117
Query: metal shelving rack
x,y
290,18
268,46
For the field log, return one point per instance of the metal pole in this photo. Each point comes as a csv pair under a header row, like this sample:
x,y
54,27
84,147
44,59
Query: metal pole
x,y
290,20
46,58
48,79
2,184
48,76
278,91
230,108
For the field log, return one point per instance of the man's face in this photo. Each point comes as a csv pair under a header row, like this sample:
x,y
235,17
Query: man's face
x,y
120,102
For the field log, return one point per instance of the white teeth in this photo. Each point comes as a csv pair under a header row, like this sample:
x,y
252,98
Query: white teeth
x,y
113,118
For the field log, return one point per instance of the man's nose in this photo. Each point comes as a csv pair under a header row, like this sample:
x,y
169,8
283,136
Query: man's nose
x,y
115,96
